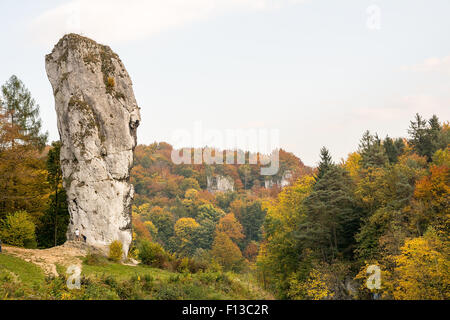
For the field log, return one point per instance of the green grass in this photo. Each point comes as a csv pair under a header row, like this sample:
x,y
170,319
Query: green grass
x,y
173,285
103,279
123,272
28,273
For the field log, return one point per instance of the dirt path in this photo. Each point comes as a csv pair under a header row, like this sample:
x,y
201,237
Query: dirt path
x,y
67,254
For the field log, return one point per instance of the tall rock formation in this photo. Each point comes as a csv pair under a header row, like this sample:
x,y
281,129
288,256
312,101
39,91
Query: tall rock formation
x,y
97,121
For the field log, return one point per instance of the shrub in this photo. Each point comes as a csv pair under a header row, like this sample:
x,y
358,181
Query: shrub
x,y
115,251
110,83
18,229
93,259
152,254
183,266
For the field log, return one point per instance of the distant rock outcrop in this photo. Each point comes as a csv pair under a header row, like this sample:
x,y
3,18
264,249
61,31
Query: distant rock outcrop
x,y
97,121
219,183
283,182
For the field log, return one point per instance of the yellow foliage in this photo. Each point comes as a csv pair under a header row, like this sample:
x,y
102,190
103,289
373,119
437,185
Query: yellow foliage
x,y
423,269
353,164
115,251
314,288
231,227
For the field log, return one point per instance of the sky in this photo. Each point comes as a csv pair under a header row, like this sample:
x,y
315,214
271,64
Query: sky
x,y
320,72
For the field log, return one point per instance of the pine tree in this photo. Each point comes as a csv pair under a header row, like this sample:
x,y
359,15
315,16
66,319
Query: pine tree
x,y
393,148
52,230
325,164
22,170
372,152
424,136
332,217
22,114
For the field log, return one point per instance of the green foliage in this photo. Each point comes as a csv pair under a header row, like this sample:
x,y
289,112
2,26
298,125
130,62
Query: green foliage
x,y
373,154
115,251
325,163
373,209
152,254
393,148
23,113
332,216
427,136
226,252
18,229
93,259
53,224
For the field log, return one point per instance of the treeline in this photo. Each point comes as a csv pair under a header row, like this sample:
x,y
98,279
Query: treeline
x,y
155,175
33,210
174,209
386,205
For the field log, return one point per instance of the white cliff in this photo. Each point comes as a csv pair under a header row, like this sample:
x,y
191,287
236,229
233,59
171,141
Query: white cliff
x,y
97,121
219,183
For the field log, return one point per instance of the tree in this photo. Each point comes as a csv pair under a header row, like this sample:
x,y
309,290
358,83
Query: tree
x,y
372,152
115,251
251,251
226,252
22,169
432,196
424,136
18,229
393,148
53,227
282,250
325,163
152,254
251,216
423,269
163,221
208,216
332,217
22,113
353,165
231,227
185,230
314,288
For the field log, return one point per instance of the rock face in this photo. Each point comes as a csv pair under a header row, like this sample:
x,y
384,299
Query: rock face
x,y
219,183
284,181
97,121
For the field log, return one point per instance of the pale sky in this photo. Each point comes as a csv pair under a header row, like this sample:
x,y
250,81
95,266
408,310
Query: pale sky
x,y
321,72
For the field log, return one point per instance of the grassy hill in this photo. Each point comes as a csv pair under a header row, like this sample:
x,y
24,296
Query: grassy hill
x,y
102,279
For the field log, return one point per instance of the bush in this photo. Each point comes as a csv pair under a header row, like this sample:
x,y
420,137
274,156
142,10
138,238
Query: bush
x,y
93,259
152,254
115,251
18,229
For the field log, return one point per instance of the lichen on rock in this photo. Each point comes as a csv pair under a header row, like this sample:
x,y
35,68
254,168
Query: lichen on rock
x,y
97,121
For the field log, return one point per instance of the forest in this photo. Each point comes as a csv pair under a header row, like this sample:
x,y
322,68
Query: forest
x,y
385,205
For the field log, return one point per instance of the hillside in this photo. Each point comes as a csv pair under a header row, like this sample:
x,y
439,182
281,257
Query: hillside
x,y
41,274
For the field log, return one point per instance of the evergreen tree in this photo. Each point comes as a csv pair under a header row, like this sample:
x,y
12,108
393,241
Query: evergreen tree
x,y
393,148
22,169
53,228
325,164
22,114
372,152
424,136
332,217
